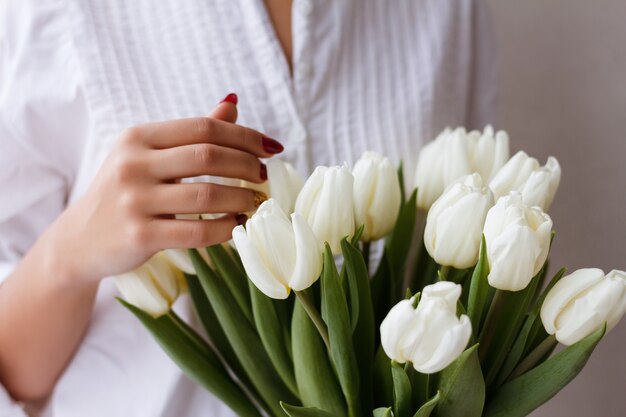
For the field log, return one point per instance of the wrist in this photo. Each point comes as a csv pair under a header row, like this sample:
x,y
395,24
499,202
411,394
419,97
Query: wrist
x,y
58,252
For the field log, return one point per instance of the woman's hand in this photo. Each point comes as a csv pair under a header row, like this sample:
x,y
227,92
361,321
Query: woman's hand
x,y
127,214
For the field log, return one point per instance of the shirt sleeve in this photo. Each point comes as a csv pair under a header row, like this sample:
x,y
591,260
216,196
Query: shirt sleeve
x,y
43,122
483,69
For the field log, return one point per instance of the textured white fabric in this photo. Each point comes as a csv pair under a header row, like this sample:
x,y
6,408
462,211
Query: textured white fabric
x,y
367,74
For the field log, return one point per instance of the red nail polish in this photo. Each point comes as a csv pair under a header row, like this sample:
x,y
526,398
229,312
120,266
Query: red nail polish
x,y
241,219
271,146
263,173
231,98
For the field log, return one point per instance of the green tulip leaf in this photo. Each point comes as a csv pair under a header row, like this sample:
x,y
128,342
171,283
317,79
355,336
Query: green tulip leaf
x,y
383,381
502,326
235,280
382,286
382,412
271,332
387,280
357,235
399,242
215,332
243,338
294,411
427,408
520,347
364,333
336,316
524,394
401,183
195,358
538,332
479,289
462,387
315,378
401,391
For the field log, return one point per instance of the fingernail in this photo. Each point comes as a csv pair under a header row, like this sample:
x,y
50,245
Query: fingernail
x,y
231,98
263,173
259,198
271,146
241,219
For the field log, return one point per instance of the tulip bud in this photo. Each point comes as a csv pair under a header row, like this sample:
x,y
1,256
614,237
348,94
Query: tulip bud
x,y
430,336
153,287
518,241
454,154
278,255
326,203
522,173
455,222
283,184
580,303
376,195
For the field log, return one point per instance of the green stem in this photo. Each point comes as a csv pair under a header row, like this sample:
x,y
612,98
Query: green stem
x,y
314,315
489,327
184,327
366,254
533,357
443,273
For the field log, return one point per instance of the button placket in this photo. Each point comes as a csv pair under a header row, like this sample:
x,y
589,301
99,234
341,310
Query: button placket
x,y
302,74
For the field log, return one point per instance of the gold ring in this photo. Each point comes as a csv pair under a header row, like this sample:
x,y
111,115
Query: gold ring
x,y
259,198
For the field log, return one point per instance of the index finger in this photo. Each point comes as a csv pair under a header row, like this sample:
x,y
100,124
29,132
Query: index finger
x,y
180,132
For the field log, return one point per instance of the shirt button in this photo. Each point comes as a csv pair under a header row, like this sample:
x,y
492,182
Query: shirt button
x,y
305,7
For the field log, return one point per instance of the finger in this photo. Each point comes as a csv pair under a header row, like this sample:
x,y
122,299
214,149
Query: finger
x,y
169,134
206,159
227,109
201,197
178,233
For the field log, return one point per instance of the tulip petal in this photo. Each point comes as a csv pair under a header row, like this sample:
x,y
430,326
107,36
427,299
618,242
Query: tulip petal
x,y
138,289
512,258
459,231
444,290
394,328
385,205
180,258
565,291
166,278
451,346
308,265
589,311
272,236
365,179
258,273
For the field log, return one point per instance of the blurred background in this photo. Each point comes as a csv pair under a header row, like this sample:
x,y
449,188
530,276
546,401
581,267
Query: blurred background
x,y
563,93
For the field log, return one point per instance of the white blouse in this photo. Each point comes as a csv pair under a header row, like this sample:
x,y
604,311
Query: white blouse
x,y
367,74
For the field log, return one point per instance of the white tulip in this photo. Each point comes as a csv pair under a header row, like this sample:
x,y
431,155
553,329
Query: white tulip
x,y
283,184
455,153
376,195
326,202
518,242
278,255
454,224
430,336
522,173
580,303
153,287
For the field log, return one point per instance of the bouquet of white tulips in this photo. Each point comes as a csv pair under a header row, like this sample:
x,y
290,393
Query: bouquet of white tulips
x,y
456,314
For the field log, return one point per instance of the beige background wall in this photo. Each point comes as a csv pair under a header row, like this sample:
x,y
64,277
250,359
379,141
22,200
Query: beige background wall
x,y
563,93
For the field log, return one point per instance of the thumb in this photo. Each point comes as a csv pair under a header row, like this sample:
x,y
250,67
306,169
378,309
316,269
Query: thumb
x,y
226,110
